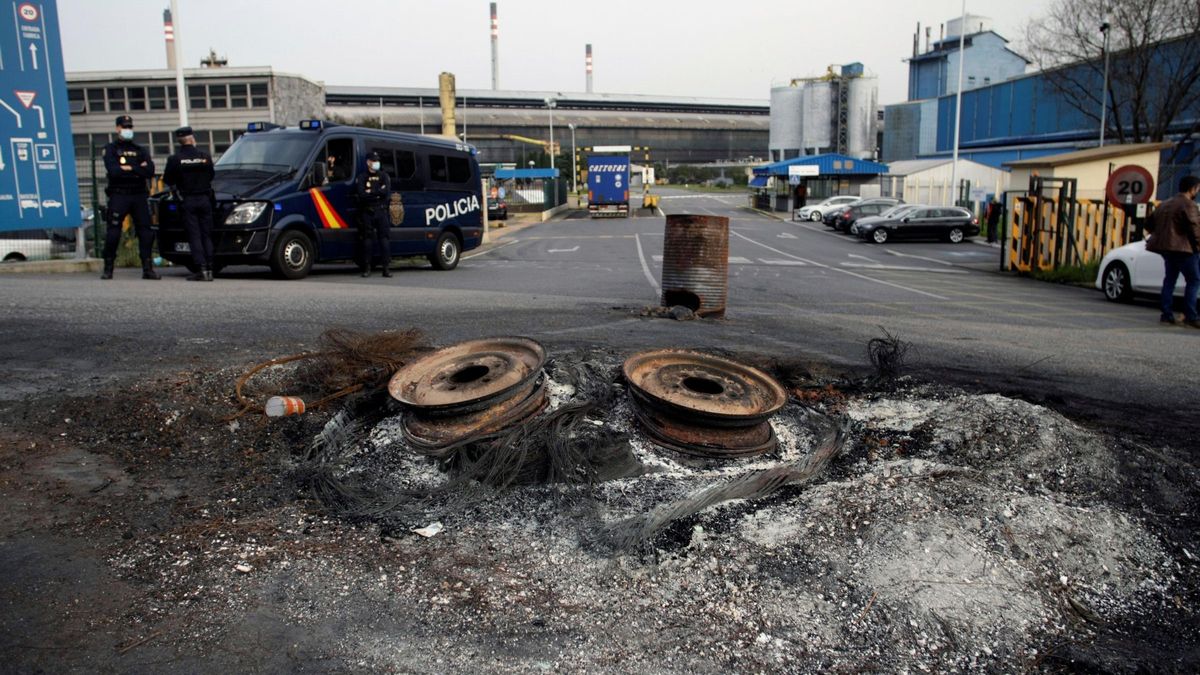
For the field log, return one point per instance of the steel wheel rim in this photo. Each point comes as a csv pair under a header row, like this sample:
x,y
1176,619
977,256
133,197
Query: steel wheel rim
x,y
449,251
295,255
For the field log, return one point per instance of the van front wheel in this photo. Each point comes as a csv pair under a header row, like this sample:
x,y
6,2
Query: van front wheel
x,y
445,256
293,255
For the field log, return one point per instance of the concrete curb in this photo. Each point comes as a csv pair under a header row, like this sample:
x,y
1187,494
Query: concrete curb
x,y
87,265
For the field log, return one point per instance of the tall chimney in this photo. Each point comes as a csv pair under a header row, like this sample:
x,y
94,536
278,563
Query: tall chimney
x,y
917,39
941,32
588,61
169,34
928,36
446,95
495,50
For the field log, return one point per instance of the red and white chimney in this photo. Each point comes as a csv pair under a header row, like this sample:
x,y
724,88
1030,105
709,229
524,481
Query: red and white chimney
x,y
169,34
588,62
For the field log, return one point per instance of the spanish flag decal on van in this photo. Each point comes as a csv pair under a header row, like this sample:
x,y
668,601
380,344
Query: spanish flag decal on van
x,y
329,217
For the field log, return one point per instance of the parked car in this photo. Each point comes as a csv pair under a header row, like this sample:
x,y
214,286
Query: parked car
x,y
1132,270
18,245
815,212
497,209
893,212
861,209
951,224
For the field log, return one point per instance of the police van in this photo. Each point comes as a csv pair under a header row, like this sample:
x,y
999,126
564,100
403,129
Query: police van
x,y
284,198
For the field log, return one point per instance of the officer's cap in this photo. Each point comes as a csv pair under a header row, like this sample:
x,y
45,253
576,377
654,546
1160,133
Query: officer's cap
x,y
125,121
183,132
373,157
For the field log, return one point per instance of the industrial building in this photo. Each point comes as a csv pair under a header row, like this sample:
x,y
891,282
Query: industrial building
x,y
985,57
832,113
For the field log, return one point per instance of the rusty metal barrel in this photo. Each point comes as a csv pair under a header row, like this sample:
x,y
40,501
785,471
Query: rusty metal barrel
x,y
696,264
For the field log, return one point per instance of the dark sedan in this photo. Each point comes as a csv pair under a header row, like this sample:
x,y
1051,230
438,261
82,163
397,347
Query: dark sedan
x,y
497,209
844,218
950,224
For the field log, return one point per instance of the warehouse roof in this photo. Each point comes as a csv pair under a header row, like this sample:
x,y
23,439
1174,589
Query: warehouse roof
x,y
829,164
1089,155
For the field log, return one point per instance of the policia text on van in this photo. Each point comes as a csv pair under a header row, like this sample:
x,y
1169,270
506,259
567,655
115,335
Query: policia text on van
x,y
285,198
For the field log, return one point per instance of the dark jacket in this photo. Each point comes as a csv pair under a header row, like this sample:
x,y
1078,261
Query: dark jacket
x,y
190,171
127,153
372,189
1175,226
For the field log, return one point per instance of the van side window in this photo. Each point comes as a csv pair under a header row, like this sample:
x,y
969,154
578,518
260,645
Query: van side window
x,y
406,164
339,160
437,168
387,160
460,169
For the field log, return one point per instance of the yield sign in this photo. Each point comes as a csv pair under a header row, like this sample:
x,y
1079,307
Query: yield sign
x,y
26,97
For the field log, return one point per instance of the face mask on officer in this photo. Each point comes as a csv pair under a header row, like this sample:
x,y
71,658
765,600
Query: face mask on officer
x,y
126,134
375,166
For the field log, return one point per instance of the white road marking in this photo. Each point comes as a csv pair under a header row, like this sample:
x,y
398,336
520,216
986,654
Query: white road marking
x,y
494,248
861,257
562,250
837,269
918,257
786,235
646,266
902,268
733,260
787,263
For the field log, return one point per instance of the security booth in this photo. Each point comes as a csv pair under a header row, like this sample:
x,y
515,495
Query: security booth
x,y
531,190
760,195
821,176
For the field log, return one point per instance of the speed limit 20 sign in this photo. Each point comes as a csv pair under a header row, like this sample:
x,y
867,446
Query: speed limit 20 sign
x,y
1130,184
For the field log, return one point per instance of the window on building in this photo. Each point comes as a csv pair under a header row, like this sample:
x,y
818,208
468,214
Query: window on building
x,y
137,98
197,100
218,96
258,95
222,139
987,81
203,140
237,96
172,98
970,80
75,99
95,100
116,99
157,98
160,143
83,146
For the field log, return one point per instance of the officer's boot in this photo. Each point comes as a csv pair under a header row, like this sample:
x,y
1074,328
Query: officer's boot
x,y
198,275
109,263
148,269
208,273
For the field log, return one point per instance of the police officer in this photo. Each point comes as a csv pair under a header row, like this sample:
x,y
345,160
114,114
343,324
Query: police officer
x,y
372,192
190,172
128,166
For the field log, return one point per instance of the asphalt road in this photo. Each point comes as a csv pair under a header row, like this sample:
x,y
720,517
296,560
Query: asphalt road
x,y
796,289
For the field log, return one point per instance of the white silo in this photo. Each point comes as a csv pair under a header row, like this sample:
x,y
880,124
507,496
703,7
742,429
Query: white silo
x,y
787,125
818,116
860,118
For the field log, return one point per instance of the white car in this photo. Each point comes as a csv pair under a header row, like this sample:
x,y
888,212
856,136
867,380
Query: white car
x,y
815,212
1132,269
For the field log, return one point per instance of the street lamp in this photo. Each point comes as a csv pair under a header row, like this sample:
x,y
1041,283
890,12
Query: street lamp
x,y
574,165
1104,28
550,103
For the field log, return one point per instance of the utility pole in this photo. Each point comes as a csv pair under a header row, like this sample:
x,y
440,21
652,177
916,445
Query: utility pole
x,y
550,106
1104,28
574,164
962,59
181,98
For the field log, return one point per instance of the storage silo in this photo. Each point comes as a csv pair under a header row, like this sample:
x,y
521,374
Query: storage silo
x,y
860,118
787,127
818,117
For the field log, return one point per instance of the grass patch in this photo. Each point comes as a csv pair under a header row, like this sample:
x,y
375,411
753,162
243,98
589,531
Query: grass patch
x,y
1070,274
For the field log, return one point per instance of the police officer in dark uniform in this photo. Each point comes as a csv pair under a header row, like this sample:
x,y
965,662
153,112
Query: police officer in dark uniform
x,y
372,192
128,166
190,172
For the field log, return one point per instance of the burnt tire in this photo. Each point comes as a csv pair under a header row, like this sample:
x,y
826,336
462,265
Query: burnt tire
x,y
446,254
293,255
1116,284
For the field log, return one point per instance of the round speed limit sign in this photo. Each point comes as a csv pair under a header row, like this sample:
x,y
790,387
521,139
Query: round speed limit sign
x,y
1130,184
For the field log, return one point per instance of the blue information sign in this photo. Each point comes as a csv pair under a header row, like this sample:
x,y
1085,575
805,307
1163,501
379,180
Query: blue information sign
x,y
38,188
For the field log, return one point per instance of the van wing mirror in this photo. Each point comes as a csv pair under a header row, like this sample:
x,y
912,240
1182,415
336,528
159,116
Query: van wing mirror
x,y
319,174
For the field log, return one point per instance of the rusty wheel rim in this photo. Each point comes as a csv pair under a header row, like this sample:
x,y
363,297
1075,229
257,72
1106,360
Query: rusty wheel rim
x,y
705,441
468,376
694,385
438,433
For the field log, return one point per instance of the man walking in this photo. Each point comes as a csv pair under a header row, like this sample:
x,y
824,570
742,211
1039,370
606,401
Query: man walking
x,y
128,166
373,192
1176,237
190,172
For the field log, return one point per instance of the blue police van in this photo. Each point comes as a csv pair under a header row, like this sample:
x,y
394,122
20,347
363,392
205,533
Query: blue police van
x,y
284,198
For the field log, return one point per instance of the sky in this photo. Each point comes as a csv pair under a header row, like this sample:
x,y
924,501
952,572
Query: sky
x,y
698,48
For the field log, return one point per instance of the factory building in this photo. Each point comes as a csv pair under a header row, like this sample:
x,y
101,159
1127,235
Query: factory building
x,y
833,113
985,56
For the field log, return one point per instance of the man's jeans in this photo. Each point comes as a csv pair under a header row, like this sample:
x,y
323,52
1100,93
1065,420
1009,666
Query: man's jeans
x,y
1187,264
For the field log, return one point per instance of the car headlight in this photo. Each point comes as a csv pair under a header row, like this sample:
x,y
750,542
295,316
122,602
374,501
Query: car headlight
x,y
244,214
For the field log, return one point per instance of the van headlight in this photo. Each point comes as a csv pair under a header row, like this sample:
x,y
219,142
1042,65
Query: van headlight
x,y
245,214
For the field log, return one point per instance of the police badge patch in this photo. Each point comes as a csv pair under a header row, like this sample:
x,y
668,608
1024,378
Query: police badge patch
x,y
396,209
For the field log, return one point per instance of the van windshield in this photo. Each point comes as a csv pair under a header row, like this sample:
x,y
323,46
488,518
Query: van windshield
x,y
267,153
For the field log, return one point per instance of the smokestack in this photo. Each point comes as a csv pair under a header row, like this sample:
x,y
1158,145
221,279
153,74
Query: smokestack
x,y
446,95
941,32
495,50
169,34
917,39
928,36
588,61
